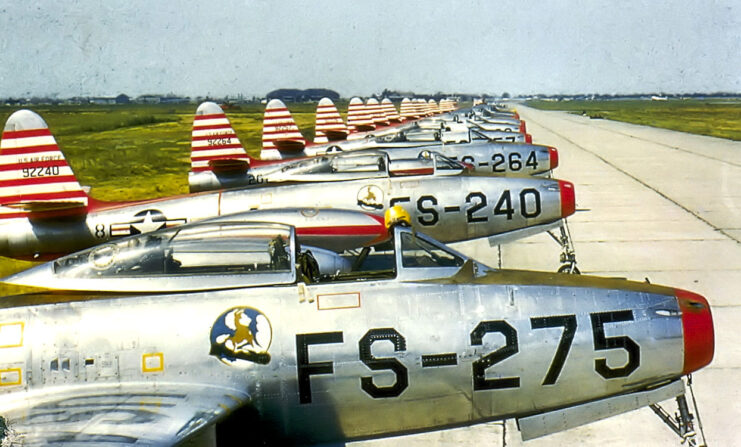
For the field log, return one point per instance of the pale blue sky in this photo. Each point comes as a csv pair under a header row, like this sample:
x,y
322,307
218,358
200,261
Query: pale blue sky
x,y
85,47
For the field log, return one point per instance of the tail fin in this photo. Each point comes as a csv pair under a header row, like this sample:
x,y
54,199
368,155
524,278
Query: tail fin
x,y
407,109
214,144
431,107
280,135
390,111
358,119
373,107
447,105
420,108
34,175
329,125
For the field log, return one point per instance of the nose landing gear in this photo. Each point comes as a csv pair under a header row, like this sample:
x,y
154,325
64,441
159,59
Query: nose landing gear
x,y
568,255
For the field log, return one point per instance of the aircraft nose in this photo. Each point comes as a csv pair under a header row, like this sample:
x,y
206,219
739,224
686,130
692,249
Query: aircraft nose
x,y
697,330
523,127
553,154
528,138
568,200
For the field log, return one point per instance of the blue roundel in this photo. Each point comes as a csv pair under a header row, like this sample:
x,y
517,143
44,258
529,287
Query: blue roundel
x,y
241,333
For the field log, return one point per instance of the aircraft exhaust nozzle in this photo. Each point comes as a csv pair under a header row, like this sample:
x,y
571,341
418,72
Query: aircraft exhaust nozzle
x,y
568,200
553,157
697,330
528,138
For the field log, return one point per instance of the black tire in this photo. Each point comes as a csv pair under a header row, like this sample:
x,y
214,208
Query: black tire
x,y
568,268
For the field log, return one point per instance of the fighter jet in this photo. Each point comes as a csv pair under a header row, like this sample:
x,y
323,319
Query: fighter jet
x,y
335,167
218,160
482,149
211,332
282,138
45,212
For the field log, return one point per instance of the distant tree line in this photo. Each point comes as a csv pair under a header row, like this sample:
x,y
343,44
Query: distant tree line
x,y
300,95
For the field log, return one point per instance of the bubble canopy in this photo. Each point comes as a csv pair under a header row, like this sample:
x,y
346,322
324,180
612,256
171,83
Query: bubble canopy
x,y
195,257
225,255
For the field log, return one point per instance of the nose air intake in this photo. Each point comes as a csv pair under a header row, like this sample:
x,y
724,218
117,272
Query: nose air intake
x,y
697,330
568,200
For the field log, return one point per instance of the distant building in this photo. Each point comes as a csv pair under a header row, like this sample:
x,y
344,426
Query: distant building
x,y
102,100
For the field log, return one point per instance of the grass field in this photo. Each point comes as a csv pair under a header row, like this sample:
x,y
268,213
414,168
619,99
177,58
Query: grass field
x,y
131,152
145,148
716,118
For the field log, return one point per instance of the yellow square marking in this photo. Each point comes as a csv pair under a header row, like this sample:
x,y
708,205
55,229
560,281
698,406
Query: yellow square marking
x,y
153,362
10,377
11,335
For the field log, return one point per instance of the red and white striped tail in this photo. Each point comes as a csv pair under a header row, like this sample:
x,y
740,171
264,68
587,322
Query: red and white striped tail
x,y
214,143
432,108
373,108
447,105
280,134
408,109
420,107
34,175
329,124
358,119
388,109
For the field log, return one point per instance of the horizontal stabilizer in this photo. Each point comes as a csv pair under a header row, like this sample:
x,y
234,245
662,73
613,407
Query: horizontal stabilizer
x,y
335,135
229,165
44,206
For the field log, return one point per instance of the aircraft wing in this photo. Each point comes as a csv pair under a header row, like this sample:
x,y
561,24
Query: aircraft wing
x,y
110,414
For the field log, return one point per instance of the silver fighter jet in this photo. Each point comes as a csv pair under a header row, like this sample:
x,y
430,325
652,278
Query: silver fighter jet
x,y
218,159
44,212
210,331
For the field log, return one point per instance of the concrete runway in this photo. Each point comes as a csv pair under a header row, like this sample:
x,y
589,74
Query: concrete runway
x,y
651,203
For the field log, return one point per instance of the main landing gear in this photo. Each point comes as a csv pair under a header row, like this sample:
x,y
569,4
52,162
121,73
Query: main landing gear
x,y
683,421
568,255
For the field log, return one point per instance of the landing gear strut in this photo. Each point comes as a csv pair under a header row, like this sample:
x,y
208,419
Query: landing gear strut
x,y
683,421
568,255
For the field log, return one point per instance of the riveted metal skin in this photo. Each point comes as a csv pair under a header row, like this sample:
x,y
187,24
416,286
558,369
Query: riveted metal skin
x,y
432,342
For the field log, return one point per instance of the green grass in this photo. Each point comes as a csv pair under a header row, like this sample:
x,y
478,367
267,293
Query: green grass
x,y
134,152
717,118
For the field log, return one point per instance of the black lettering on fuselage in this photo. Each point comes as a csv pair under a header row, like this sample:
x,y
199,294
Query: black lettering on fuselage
x,y
377,364
305,368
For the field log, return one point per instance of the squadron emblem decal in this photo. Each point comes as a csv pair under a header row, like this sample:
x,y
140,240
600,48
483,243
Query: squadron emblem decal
x,y
370,197
241,334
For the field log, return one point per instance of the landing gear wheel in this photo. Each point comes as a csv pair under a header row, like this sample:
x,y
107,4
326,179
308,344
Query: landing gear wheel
x,y
569,268
567,256
683,422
